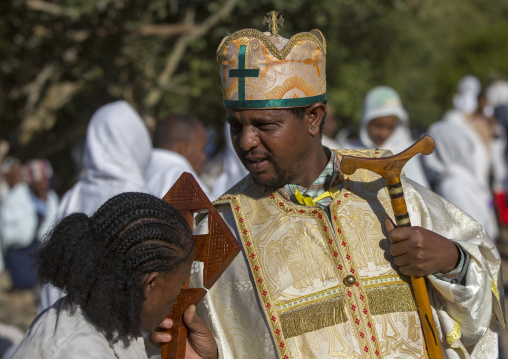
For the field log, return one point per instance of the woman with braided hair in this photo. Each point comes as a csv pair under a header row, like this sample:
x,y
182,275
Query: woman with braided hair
x,y
122,269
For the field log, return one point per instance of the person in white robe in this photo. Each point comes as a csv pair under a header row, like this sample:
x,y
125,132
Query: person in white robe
x,y
468,161
116,155
26,215
385,124
10,176
179,146
233,169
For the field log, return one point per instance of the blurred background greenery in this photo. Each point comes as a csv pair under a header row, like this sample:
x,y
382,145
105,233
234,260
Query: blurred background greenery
x,y
61,60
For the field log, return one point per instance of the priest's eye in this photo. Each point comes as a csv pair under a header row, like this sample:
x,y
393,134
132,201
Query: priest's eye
x,y
235,126
266,126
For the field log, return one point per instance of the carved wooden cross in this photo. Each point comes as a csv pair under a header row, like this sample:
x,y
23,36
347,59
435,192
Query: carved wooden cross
x,y
217,249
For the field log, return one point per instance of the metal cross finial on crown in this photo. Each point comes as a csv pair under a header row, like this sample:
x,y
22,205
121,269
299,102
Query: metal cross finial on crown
x,y
273,21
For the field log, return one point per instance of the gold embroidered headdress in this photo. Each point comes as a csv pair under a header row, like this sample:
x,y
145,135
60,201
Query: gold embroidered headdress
x,y
261,70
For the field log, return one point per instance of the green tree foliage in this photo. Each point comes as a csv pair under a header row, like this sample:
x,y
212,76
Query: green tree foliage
x,y
61,60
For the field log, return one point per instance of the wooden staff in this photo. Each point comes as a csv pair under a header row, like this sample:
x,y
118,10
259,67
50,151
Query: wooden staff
x,y
390,168
217,249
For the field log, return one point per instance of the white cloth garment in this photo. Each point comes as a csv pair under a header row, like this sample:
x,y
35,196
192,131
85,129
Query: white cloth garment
x,y
18,217
233,171
460,167
384,101
497,93
330,142
117,152
164,170
65,331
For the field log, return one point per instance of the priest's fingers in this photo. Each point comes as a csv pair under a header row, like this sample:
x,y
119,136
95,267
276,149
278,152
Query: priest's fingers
x,y
390,226
402,260
158,337
165,324
200,341
398,234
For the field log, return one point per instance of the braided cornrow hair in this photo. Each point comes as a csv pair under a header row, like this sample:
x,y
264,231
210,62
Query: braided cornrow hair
x,y
99,260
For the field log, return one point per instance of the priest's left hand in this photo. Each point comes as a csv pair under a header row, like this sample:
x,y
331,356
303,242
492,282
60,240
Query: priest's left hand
x,y
418,251
200,342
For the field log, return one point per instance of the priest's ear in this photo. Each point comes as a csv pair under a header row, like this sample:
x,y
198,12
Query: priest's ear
x,y
314,116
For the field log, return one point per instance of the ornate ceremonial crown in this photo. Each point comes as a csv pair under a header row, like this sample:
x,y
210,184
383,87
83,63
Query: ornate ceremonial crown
x,y
262,70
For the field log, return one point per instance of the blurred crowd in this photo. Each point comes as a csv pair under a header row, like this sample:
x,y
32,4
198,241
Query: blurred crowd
x,y
468,167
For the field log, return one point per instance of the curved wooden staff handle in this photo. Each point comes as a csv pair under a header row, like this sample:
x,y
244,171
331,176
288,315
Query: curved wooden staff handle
x,y
390,168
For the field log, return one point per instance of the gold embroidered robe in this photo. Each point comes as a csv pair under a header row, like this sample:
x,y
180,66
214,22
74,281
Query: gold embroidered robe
x,y
285,296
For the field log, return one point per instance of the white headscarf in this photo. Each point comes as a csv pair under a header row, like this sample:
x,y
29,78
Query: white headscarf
x,y
117,152
465,99
384,101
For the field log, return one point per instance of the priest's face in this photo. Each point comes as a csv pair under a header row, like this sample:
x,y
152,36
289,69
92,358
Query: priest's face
x,y
274,145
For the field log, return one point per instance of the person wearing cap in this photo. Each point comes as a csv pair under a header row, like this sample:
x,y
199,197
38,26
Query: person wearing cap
x,y
26,215
468,167
324,273
385,124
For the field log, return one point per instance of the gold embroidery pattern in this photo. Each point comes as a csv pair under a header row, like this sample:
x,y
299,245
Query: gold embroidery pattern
x,y
494,289
454,335
321,296
269,44
383,280
313,317
258,275
356,301
295,71
382,299
363,293
493,286
326,308
359,300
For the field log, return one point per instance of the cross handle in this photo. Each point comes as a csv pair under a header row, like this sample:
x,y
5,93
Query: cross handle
x,y
388,167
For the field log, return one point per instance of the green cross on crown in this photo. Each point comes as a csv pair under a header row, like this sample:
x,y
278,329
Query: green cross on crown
x,y
242,73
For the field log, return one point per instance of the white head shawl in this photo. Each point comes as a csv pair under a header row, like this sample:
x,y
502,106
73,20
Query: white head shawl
x,y
466,98
117,151
384,101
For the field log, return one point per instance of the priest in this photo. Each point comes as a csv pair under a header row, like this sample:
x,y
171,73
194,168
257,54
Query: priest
x,y
324,272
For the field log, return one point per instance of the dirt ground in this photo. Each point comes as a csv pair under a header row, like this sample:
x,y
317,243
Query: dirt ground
x,y
19,308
